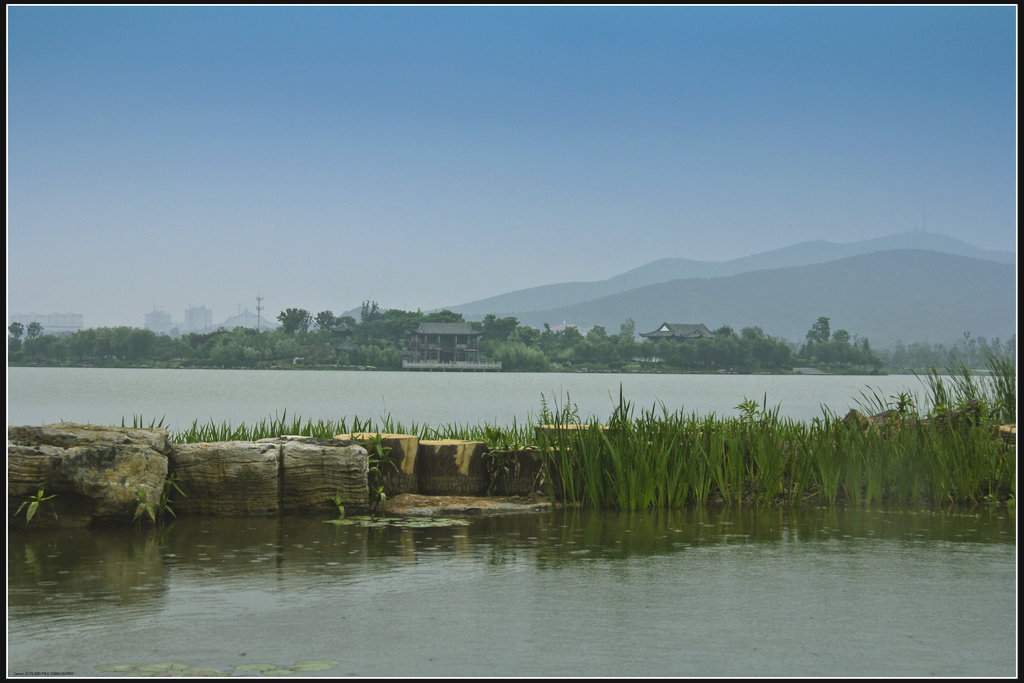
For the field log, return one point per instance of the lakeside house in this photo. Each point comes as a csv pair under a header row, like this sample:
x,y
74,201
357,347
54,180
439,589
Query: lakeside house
x,y
678,332
446,346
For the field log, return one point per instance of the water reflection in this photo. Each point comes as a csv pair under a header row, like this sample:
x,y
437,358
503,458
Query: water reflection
x,y
52,570
598,593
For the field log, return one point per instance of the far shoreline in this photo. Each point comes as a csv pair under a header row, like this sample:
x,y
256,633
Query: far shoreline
x,y
806,371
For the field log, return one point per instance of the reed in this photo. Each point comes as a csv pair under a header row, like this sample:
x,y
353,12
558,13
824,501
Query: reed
x,y
647,459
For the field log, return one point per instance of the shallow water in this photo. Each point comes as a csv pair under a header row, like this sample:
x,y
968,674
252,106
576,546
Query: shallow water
x,y
694,593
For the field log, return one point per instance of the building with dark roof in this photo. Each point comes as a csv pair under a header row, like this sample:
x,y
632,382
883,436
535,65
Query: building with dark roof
x,y
678,332
443,346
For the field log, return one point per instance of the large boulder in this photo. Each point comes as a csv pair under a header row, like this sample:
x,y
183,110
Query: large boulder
x,y
96,474
226,478
313,471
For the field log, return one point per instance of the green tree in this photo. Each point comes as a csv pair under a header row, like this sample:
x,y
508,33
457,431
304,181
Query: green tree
x,y
820,331
497,329
627,330
325,320
34,330
528,336
444,316
369,312
295,319
841,336
16,330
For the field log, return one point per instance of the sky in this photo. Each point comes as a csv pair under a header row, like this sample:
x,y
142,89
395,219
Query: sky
x,y
427,157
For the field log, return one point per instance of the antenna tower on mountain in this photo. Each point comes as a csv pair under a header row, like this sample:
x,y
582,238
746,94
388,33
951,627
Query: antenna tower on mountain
x,y
259,308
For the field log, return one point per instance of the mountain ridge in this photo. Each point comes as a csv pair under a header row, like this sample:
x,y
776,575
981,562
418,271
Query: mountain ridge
x,y
546,297
889,296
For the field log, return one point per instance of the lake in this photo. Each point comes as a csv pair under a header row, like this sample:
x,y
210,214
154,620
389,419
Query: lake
x,y
105,396
682,593
700,592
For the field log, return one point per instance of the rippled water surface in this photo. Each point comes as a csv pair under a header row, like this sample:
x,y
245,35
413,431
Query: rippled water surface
x,y
105,396
700,592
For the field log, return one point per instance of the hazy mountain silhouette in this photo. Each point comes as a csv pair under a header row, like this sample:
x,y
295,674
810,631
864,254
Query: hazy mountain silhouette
x,y
908,295
547,297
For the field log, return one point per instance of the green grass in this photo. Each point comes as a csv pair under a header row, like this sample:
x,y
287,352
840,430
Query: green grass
x,y
656,459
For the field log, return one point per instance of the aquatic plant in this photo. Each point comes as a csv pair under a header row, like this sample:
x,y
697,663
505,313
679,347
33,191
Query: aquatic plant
x,y
339,503
143,505
910,452
33,504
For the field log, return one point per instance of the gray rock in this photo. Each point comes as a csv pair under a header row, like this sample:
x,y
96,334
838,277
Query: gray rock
x,y
314,470
95,473
226,478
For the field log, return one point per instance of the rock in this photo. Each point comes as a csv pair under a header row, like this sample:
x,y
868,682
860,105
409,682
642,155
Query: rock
x,y
399,470
313,470
226,478
451,467
95,473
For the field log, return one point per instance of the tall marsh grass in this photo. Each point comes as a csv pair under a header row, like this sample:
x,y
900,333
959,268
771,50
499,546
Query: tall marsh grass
x,y
643,459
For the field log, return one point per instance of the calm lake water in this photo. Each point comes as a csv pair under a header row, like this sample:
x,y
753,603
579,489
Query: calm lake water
x,y
686,593
693,592
103,396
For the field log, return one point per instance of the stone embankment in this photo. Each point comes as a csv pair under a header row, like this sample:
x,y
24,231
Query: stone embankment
x,y
99,475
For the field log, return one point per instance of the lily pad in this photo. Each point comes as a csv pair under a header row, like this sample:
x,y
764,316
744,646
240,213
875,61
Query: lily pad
x,y
278,672
116,667
163,666
315,665
256,667
433,522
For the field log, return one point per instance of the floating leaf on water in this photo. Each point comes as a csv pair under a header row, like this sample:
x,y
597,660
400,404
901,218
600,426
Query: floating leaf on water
x,y
256,667
203,672
433,522
315,665
116,667
278,672
163,666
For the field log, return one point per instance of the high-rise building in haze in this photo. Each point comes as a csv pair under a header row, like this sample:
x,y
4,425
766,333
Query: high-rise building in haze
x,y
53,323
158,321
197,319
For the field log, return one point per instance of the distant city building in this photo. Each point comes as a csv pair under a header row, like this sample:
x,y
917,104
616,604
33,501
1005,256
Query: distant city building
x,y
197,319
158,322
53,323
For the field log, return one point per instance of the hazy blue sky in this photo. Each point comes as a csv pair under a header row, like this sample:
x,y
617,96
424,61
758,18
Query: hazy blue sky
x,y
430,157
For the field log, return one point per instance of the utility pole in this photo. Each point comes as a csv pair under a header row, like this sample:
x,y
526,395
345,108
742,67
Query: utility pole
x,y
259,307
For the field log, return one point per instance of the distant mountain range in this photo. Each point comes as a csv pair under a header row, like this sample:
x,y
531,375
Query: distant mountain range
x,y
915,286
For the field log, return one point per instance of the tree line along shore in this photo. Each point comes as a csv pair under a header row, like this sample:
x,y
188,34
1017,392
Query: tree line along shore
x,y
380,340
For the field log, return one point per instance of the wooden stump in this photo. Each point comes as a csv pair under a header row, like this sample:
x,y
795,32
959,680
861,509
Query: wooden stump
x,y
513,473
398,471
451,468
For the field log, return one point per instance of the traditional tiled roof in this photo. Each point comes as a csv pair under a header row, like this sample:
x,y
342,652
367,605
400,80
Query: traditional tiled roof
x,y
446,328
679,331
